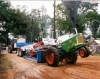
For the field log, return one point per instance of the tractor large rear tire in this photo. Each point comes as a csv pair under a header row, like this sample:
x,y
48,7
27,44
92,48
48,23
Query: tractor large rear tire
x,y
52,57
10,49
71,58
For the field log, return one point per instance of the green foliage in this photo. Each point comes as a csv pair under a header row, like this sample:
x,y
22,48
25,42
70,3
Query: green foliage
x,y
87,16
5,63
98,35
38,23
17,21
94,19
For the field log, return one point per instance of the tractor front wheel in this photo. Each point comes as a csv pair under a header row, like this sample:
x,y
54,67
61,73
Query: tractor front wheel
x,y
84,52
52,57
88,51
71,58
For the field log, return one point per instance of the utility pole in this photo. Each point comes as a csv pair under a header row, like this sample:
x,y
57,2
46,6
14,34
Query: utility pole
x,y
54,20
32,30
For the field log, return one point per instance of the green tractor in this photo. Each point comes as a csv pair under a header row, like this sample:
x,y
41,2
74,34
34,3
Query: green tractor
x,y
68,49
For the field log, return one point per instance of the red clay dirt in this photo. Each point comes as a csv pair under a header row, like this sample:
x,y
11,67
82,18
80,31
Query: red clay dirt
x,y
84,68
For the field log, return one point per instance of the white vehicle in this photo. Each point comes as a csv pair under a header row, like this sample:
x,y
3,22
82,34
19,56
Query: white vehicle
x,y
16,43
49,41
24,49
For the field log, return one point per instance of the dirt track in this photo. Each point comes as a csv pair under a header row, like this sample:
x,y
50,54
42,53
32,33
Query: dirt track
x,y
85,68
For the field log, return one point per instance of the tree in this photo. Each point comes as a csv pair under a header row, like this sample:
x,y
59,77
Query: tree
x,y
12,20
19,21
4,19
63,22
38,23
94,21
83,10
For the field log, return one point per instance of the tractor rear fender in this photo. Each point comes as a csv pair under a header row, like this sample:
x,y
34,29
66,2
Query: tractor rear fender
x,y
77,47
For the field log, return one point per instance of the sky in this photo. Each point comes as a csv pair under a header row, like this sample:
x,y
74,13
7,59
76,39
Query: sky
x,y
39,3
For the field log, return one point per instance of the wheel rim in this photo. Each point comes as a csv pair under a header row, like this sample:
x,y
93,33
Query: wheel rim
x,y
81,52
50,57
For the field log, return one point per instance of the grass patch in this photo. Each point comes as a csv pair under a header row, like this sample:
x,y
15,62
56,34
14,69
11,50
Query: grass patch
x,y
4,62
96,54
5,66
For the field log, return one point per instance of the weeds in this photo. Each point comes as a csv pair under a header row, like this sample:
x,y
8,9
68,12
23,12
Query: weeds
x,y
4,62
5,65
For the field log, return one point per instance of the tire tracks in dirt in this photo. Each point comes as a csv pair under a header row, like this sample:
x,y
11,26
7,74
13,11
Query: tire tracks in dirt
x,y
85,68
